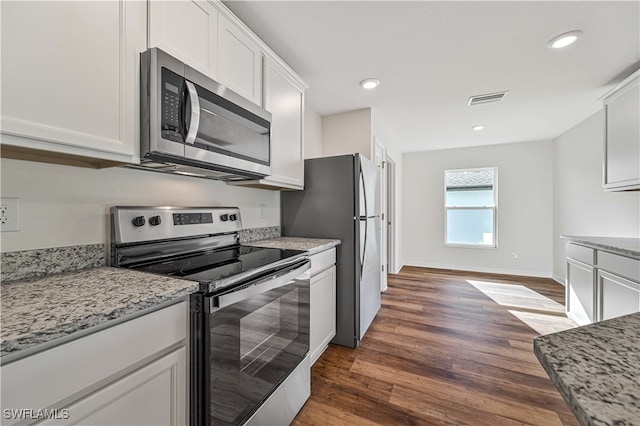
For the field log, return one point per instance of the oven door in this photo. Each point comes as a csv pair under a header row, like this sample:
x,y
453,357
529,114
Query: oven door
x,y
254,338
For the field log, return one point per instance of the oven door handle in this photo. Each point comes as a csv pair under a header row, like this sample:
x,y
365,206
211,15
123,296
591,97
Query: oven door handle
x,y
259,272
259,286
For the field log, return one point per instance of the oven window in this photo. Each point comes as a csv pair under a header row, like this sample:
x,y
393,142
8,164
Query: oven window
x,y
263,335
254,345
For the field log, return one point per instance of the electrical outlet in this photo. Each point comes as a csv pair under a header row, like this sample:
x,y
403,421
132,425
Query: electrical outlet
x,y
263,211
9,217
514,255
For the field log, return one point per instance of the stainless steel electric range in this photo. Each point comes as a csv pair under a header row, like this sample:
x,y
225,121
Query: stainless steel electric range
x,y
249,338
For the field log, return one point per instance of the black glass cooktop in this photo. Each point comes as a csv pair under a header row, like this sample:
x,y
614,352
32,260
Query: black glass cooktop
x,y
214,265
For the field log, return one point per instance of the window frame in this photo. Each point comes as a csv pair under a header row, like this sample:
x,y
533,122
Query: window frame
x,y
494,208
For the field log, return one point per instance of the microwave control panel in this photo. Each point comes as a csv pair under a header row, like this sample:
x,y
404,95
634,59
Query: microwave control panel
x,y
171,86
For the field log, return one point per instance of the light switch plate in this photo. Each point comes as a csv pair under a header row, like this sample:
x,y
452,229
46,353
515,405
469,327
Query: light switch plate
x,y
9,214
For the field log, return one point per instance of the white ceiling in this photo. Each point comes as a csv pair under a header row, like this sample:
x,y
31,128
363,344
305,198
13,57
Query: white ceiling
x,y
432,56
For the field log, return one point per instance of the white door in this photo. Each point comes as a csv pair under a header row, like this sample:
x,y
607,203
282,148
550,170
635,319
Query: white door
x,y
390,218
379,160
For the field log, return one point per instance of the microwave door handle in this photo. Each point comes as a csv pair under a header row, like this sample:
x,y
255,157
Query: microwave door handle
x,y
194,123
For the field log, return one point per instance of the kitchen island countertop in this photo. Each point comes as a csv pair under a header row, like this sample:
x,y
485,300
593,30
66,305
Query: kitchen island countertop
x,y
596,368
311,245
59,307
629,247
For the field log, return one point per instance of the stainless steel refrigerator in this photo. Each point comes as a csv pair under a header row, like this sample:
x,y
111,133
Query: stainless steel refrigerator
x,y
341,200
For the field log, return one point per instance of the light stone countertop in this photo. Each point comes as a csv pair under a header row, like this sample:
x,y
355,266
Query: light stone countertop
x,y
629,247
42,310
311,245
596,368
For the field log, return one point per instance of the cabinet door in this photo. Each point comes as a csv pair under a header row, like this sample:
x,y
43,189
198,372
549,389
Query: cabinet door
x,y
617,296
580,292
622,148
239,61
187,30
323,312
67,373
70,77
285,101
153,395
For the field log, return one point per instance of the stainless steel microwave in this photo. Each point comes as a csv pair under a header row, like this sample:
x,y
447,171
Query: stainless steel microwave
x,y
192,125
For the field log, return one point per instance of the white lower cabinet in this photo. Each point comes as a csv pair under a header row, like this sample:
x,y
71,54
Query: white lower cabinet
x,y
600,285
323,302
617,296
153,395
131,373
580,295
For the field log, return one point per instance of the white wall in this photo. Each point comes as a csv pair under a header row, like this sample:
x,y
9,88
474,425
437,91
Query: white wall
x,y
347,133
525,209
63,205
581,206
312,133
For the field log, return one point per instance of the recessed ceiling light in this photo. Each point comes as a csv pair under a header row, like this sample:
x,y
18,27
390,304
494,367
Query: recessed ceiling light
x,y
478,127
564,39
370,83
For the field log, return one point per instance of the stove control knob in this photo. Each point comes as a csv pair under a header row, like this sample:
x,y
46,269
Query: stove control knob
x,y
224,217
233,217
138,221
155,220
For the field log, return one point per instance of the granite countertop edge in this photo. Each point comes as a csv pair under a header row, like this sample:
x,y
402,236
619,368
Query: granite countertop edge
x,y
96,318
624,246
595,368
310,245
568,394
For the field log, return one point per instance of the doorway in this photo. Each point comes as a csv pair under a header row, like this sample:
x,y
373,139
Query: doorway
x,y
387,207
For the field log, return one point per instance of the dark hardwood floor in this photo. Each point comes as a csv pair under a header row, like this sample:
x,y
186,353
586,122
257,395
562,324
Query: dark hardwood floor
x,y
446,348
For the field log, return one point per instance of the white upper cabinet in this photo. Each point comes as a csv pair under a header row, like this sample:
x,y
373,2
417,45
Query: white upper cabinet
x,y
239,61
70,80
622,144
284,99
187,30
198,34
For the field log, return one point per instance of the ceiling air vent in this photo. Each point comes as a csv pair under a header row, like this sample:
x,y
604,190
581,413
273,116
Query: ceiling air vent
x,y
489,97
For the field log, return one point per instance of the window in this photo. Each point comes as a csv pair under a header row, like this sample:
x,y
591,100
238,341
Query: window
x,y
471,207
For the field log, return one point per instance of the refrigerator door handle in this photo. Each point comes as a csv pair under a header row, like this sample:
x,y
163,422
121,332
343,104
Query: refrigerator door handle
x,y
363,247
363,188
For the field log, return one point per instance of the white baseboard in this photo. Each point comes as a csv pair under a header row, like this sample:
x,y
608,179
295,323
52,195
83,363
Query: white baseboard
x,y
397,271
468,268
558,279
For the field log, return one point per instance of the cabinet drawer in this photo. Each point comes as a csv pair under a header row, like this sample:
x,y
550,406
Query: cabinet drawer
x,y
581,253
62,374
620,265
322,260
